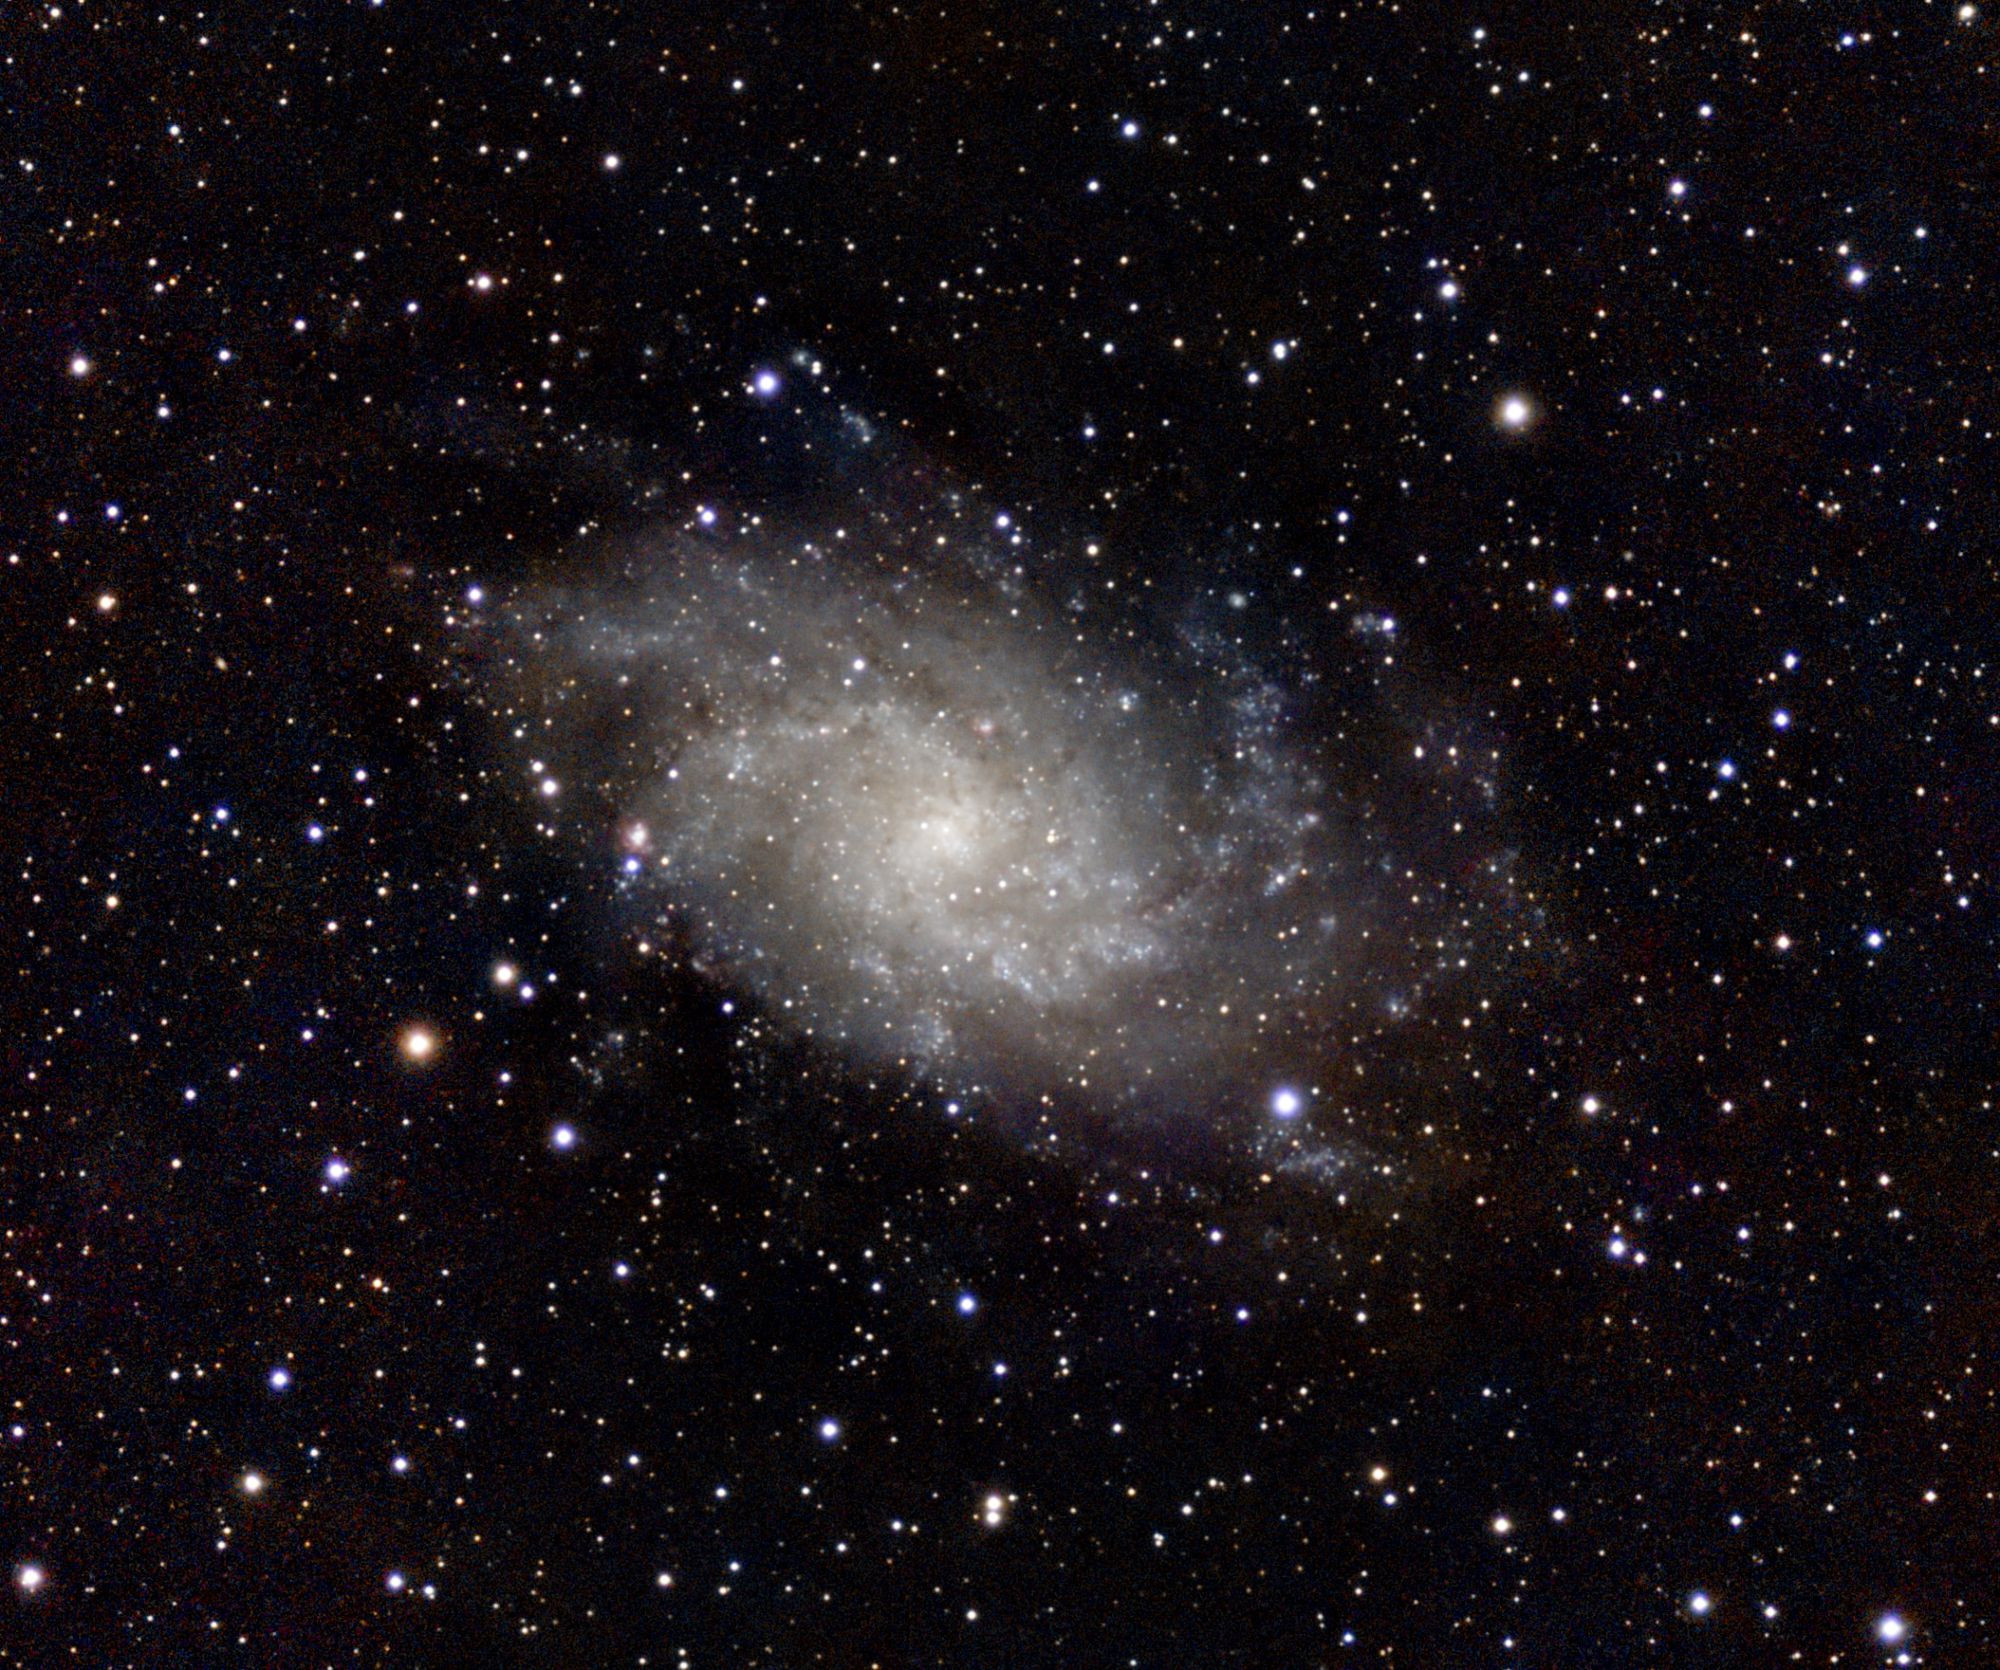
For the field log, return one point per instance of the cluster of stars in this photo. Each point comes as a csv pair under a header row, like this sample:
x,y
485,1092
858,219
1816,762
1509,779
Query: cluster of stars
x,y
1300,897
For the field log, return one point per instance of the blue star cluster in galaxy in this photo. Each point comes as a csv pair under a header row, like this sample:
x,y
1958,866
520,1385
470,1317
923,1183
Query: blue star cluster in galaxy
x,y
949,835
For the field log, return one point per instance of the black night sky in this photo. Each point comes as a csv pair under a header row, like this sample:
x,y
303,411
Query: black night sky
x,y
1092,834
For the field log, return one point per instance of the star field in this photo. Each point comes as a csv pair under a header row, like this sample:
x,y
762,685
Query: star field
x,y
958,835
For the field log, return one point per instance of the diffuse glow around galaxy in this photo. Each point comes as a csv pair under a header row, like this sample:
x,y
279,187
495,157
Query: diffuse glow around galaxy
x,y
906,789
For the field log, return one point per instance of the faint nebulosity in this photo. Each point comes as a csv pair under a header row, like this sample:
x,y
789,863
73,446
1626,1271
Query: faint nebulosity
x,y
934,809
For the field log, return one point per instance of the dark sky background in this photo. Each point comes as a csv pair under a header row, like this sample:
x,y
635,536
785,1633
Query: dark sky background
x,y
1638,362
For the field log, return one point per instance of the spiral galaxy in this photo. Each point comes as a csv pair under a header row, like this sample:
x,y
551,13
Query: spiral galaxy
x,y
933,817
